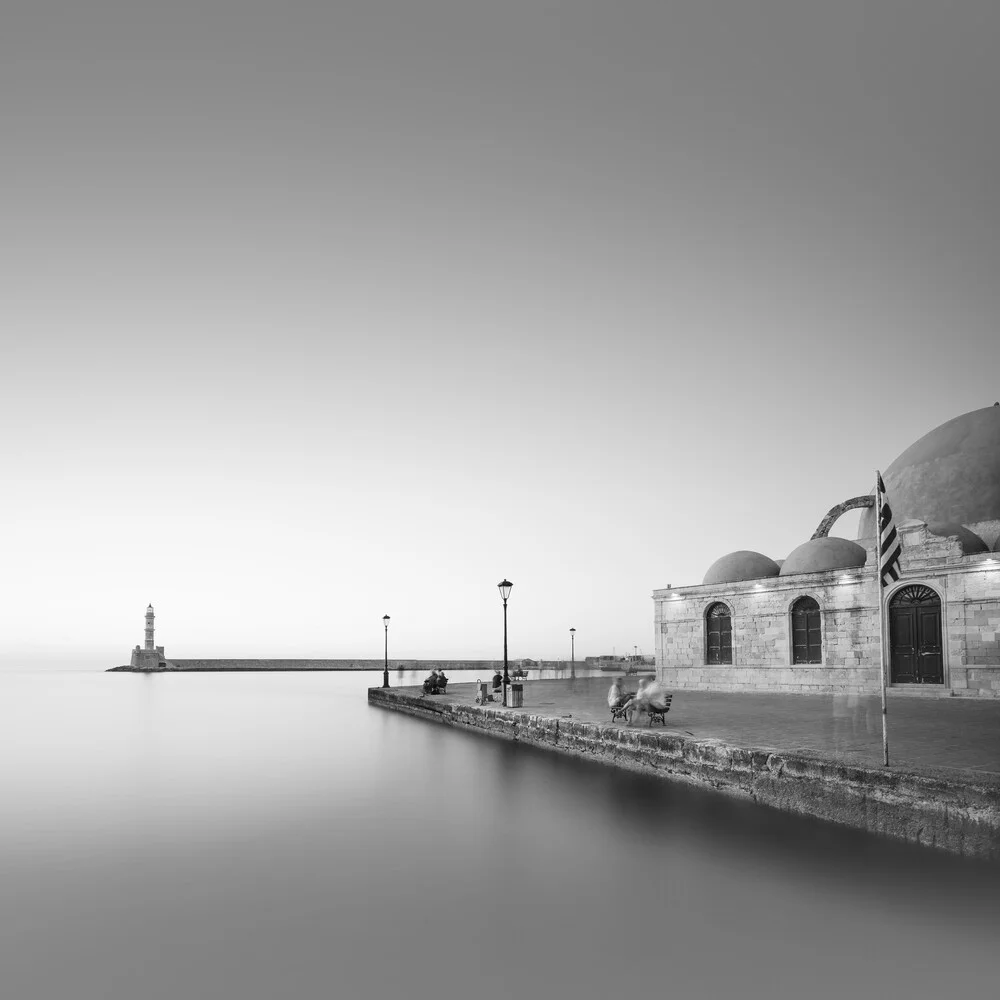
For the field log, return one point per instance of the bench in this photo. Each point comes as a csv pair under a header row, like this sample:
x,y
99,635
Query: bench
x,y
624,708
659,711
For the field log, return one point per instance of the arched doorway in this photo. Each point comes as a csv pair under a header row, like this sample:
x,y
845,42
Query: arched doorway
x,y
718,634
807,633
915,636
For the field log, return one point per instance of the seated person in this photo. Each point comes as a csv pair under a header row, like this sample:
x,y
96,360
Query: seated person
x,y
431,682
616,695
653,693
497,681
442,680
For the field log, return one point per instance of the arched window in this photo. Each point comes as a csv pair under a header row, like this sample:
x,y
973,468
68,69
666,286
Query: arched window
x,y
719,634
807,635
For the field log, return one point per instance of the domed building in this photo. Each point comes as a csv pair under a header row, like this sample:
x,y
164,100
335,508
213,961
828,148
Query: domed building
x,y
810,622
950,476
823,553
742,565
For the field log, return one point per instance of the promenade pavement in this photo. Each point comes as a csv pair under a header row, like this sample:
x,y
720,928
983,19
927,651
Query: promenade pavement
x,y
924,732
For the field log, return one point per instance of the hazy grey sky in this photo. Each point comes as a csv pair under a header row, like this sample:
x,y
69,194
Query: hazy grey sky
x,y
313,312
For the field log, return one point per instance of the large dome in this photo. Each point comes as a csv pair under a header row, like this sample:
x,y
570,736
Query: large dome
x,y
742,565
819,555
950,475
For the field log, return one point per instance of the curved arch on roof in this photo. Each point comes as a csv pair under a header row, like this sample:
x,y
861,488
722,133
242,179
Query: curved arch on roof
x,y
842,508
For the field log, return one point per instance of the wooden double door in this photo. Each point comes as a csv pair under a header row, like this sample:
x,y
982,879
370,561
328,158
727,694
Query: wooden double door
x,y
915,637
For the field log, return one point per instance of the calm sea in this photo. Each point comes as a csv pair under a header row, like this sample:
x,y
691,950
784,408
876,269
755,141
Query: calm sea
x,y
266,836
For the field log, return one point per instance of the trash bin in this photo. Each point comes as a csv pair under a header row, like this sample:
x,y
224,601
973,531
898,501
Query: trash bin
x,y
516,696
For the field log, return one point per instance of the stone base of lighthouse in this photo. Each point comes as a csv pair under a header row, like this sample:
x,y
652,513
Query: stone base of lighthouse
x,y
149,659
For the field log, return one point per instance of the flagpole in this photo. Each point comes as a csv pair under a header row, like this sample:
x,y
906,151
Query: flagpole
x,y
881,614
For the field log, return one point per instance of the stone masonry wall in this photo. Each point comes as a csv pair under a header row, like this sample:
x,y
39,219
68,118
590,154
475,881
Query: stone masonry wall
x,y
973,632
950,811
761,620
206,665
487,666
968,585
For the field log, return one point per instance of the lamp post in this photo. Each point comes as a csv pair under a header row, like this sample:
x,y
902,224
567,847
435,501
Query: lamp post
x,y
572,647
385,673
504,587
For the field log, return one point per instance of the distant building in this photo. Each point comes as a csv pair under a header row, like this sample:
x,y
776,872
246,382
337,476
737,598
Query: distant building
x,y
149,657
810,623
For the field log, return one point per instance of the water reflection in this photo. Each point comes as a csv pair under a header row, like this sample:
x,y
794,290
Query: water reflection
x,y
258,836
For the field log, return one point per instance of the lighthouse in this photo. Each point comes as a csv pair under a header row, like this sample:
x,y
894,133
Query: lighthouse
x,y
150,656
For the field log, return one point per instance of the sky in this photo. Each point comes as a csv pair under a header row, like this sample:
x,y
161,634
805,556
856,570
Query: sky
x,y
316,312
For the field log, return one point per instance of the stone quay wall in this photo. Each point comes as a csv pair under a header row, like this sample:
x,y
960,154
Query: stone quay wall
x,y
249,665
485,667
952,811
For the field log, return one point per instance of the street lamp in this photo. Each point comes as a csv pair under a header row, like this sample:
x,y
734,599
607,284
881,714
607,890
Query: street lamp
x,y
385,673
572,647
504,587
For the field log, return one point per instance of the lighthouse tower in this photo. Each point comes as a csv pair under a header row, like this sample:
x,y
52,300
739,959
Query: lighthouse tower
x,y
149,627
151,657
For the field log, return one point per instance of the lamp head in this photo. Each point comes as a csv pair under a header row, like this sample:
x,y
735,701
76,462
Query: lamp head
x,y
504,586
385,618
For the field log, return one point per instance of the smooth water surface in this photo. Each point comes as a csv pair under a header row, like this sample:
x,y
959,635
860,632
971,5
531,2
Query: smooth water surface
x,y
264,836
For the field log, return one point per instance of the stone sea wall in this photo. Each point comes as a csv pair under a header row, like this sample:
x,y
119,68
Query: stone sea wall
x,y
485,667
249,665
952,811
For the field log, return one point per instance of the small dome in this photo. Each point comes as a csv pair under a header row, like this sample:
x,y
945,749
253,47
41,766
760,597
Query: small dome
x,y
742,565
969,540
821,554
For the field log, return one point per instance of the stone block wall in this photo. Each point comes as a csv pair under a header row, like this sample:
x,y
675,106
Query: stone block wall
x,y
762,645
153,660
969,588
972,623
148,659
952,811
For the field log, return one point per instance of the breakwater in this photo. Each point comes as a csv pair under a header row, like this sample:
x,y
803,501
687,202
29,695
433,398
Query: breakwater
x,y
952,810
486,667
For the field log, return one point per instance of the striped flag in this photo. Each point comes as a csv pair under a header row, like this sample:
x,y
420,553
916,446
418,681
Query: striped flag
x,y
889,547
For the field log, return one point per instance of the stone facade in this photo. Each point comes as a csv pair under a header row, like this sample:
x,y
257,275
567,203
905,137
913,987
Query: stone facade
x,y
762,656
149,659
